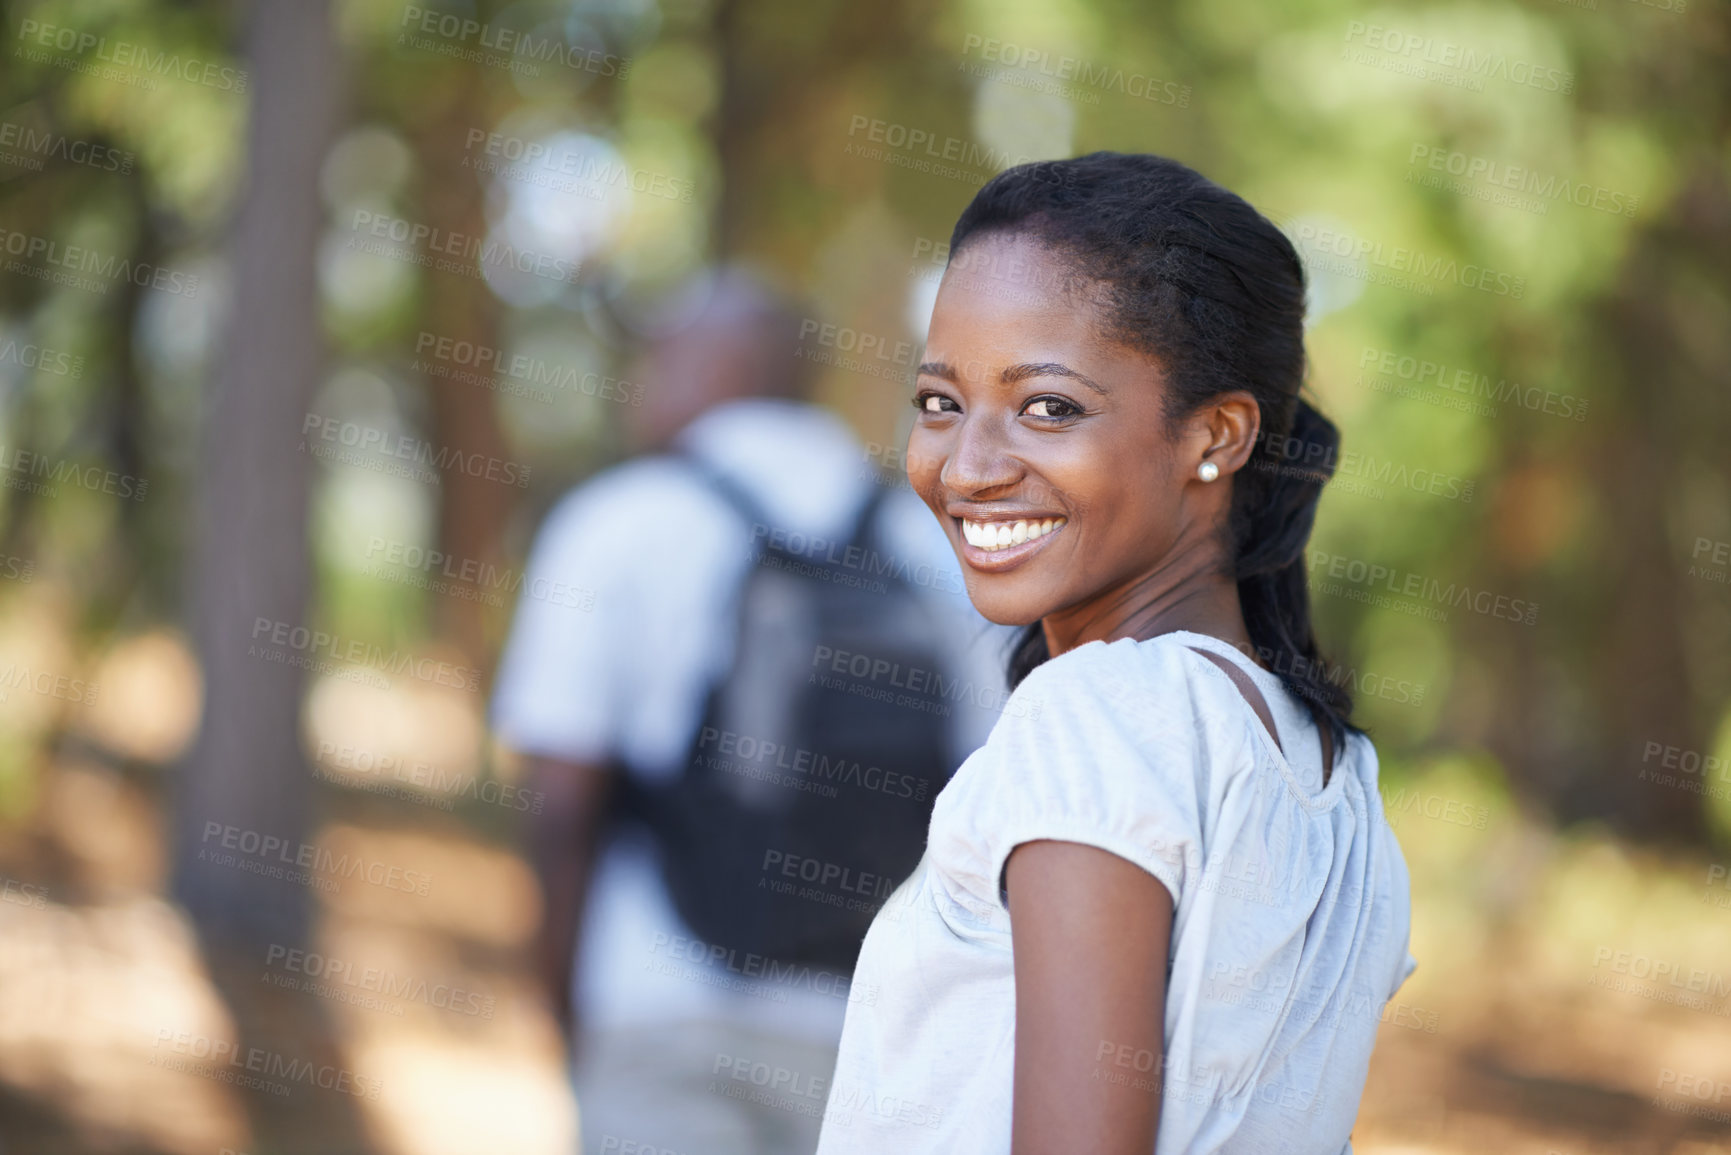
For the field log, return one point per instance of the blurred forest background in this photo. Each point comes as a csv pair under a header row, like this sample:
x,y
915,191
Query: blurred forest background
x,y
255,258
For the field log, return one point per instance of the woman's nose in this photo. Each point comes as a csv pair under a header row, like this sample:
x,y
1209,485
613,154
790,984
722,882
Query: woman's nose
x,y
980,460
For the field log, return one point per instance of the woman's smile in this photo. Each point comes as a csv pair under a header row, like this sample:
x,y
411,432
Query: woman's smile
x,y
1004,541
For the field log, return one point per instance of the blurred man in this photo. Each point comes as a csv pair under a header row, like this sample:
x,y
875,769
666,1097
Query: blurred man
x,y
668,1030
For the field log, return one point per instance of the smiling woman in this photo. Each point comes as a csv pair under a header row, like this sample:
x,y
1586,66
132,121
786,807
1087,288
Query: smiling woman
x,y
1157,904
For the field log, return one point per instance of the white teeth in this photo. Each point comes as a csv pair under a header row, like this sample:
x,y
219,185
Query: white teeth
x,y
997,535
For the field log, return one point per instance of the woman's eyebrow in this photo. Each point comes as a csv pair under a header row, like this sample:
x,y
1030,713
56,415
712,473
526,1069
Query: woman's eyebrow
x,y
1022,372
943,371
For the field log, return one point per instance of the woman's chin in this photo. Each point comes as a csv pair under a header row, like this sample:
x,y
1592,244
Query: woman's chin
x,y
1002,611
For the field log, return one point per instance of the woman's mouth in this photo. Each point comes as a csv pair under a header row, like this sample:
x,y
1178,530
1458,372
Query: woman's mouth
x,y
1000,544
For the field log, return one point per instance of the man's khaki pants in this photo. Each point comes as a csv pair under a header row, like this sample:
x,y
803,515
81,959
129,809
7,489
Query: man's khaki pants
x,y
700,1088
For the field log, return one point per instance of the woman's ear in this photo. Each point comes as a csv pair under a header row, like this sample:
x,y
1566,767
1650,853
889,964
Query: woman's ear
x,y
1234,422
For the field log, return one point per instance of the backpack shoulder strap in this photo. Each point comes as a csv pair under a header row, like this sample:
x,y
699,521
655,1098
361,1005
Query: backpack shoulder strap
x,y
1252,695
1257,703
747,506
724,487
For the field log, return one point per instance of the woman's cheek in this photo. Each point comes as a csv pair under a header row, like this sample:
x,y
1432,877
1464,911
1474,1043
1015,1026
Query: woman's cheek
x,y
923,465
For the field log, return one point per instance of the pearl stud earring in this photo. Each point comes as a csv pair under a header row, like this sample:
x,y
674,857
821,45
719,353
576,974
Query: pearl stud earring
x,y
1208,471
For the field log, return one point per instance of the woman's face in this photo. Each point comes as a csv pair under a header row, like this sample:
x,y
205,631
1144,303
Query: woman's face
x,y
1030,418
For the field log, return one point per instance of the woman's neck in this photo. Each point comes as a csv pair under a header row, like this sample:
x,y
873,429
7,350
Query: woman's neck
x,y
1152,604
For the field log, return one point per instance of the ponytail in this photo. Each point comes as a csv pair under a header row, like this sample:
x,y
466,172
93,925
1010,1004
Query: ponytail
x,y
1272,514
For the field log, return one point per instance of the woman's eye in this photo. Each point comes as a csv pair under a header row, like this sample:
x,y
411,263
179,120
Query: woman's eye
x,y
1051,407
932,403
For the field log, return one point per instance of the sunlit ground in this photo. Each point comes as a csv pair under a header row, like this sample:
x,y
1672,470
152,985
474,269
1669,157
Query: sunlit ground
x,y
1515,1035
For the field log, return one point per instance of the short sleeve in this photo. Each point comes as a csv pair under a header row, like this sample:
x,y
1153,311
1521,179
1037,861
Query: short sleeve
x,y
1398,887
1097,746
560,665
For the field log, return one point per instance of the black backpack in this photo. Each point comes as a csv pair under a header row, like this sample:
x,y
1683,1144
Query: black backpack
x,y
809,786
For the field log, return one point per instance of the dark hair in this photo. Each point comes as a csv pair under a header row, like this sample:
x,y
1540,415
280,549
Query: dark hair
x,y
1193,276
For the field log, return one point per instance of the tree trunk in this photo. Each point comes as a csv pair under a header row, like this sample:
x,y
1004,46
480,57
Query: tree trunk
x,y
246,771
473,510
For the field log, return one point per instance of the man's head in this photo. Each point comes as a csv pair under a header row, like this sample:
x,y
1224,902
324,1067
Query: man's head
x,y
722,335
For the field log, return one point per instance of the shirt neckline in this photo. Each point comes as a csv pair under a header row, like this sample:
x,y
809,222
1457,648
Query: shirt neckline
x,y
1265,679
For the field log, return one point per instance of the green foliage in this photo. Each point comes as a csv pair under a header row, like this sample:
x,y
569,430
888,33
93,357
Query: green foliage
x,y
1525,235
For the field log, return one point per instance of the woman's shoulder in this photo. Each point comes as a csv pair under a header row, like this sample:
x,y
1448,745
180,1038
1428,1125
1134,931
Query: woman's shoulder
x,y
1101,714
1098,745
1108,670
1154,685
